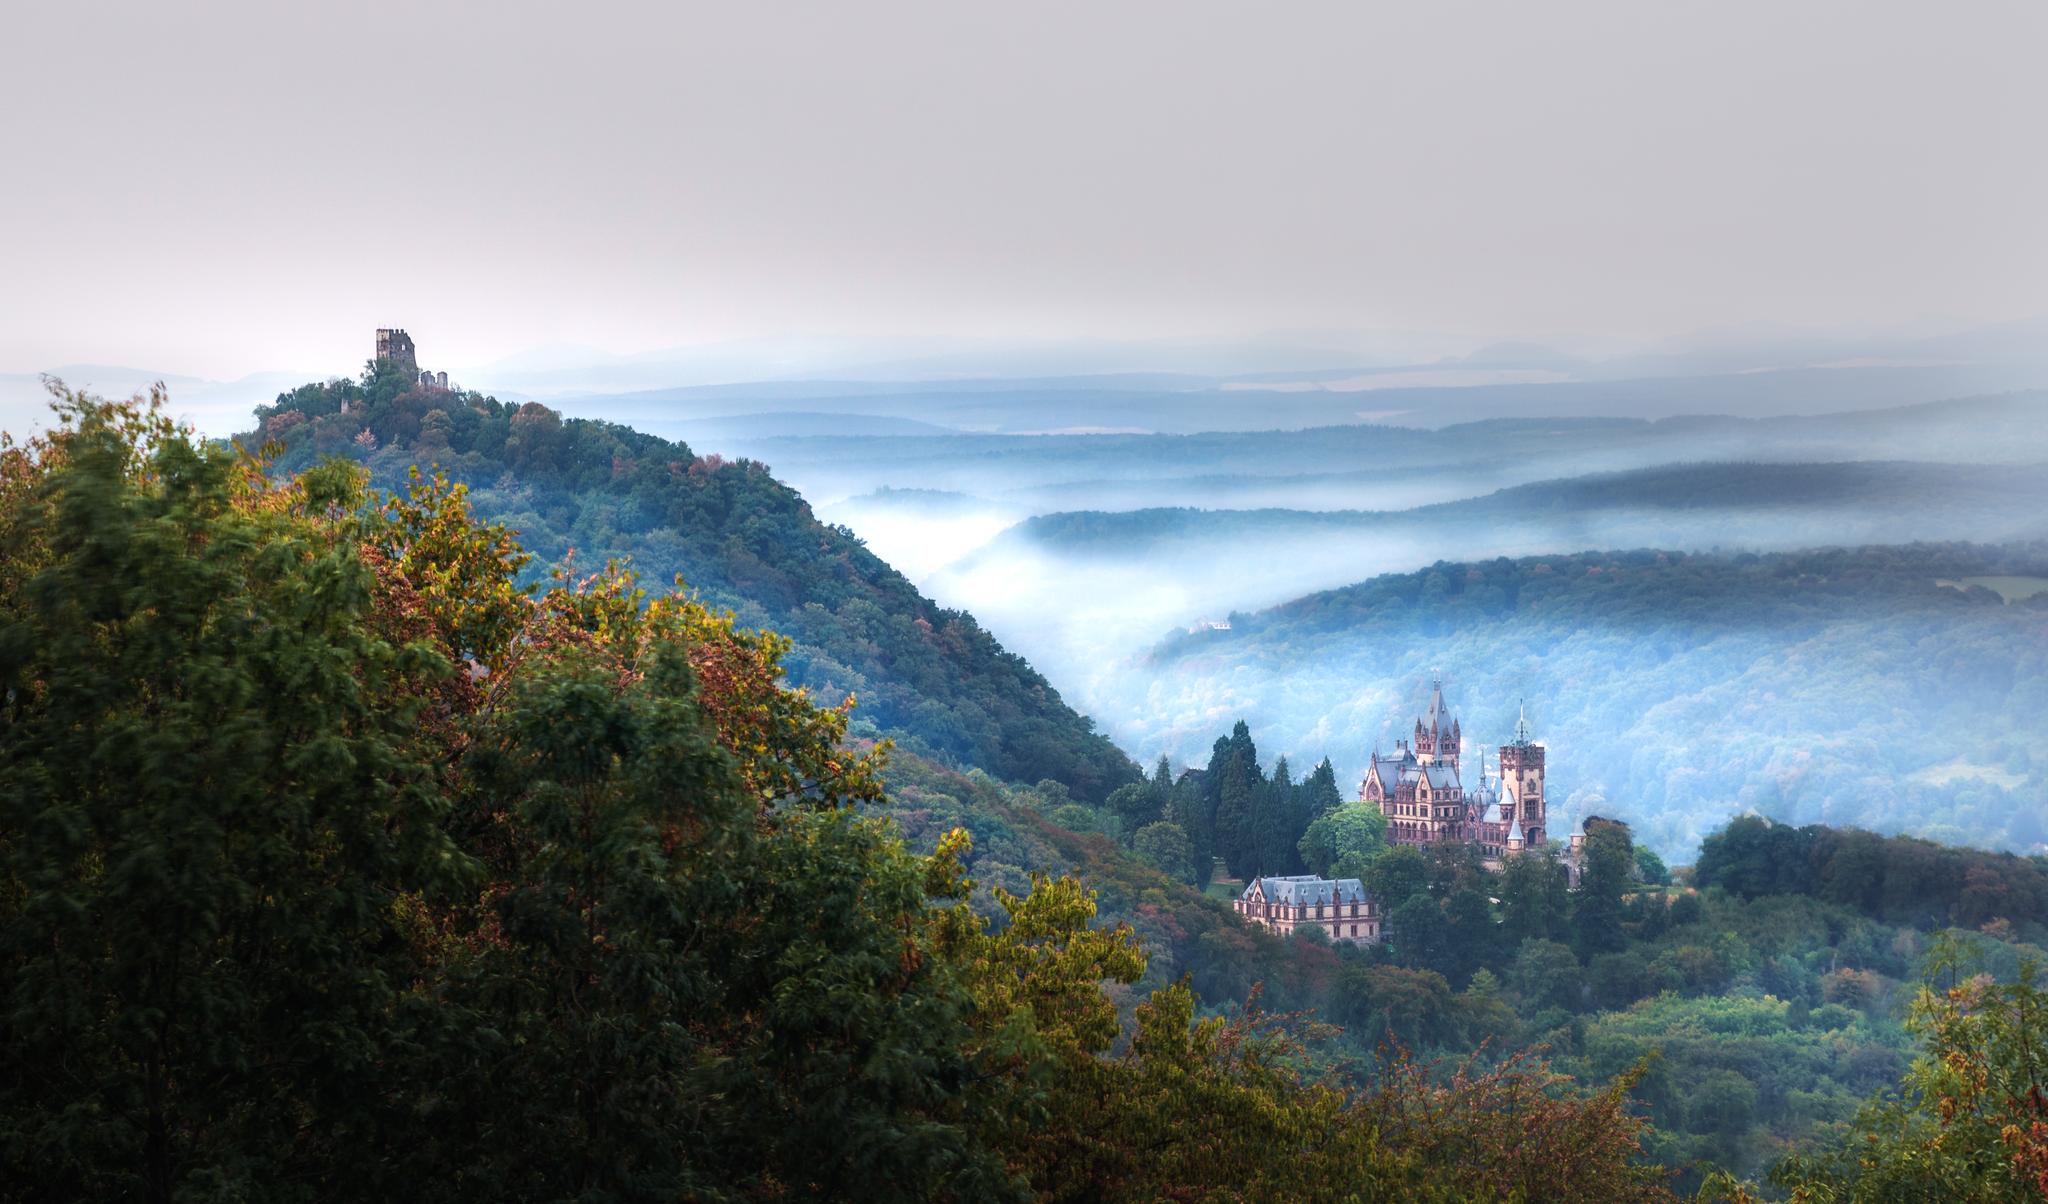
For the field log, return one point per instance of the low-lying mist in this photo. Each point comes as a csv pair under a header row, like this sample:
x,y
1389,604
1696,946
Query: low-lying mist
x,y
1160,544
1848,687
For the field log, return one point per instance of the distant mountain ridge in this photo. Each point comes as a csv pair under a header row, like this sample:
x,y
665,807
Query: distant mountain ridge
x,y
2003,501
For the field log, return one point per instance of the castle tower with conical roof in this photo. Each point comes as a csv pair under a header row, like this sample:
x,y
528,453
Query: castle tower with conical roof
x,y
1521,783
1437,736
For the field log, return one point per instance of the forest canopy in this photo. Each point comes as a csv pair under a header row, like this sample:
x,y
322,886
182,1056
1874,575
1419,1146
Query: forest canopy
x,y
337,860
929,676
342,858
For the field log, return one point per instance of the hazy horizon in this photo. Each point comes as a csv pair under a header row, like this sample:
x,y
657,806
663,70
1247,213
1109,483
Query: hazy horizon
x,y
244,189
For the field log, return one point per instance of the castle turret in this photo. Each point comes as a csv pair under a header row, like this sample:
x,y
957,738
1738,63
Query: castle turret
x,y
1521,776
1437,736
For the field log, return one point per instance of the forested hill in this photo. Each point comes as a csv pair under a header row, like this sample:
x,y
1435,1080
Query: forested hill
x,y
927,675
1744,502
288,897
1894,688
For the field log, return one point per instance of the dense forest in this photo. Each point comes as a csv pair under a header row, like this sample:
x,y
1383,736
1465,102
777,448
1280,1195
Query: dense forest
x,y
1893,688
927,675
1766,998
340,859
337,863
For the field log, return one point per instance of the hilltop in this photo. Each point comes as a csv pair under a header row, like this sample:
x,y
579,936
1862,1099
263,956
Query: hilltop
x,y
928,675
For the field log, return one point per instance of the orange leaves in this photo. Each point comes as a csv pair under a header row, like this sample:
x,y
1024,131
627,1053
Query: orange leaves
x,y
465,570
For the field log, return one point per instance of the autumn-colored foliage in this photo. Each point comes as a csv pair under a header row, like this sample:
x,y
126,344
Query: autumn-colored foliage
x,y
336,864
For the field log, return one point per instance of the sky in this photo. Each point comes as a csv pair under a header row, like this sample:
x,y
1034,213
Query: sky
x,y
220,188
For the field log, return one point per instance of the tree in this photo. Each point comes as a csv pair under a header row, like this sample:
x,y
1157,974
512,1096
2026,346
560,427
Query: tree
x,y
1609,867
1421,935
1192,807
1398,874
1535,898
1319,791
1354,829
1076,818
1135,805
210,795
1968,1121
1510,1130
1236,796
1547,974
1651,869
1474,935
1164,846
306,905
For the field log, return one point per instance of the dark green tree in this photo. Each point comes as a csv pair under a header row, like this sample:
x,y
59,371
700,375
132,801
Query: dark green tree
x,y
1276,823
1609,870
1398,874
1134,806
211,803
1165,848
1535,899
1237,797
1421,935
1474,934
1320,795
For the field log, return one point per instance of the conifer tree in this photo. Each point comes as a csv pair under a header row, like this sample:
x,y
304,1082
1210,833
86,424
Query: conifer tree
x,y
1320,795
1596,915
1279,812
1237,797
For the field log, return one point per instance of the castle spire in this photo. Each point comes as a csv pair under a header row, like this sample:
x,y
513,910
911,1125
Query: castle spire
x,y
1522,723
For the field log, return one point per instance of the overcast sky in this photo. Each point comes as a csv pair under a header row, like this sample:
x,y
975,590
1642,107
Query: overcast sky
x,y
221,188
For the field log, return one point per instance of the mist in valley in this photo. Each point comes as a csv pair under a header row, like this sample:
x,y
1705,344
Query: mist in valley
x,y
1134,570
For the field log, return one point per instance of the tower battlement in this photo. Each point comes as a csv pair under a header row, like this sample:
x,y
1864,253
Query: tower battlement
x,y
394,346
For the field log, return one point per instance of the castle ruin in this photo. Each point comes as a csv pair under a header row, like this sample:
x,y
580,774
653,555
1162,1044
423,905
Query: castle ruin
x,y
394,346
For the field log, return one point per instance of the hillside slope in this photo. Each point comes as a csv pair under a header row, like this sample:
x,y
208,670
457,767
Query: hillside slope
x,y
925,674
1847,686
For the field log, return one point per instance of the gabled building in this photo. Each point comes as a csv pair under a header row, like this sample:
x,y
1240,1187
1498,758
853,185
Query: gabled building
x,y
1421,788
1341,907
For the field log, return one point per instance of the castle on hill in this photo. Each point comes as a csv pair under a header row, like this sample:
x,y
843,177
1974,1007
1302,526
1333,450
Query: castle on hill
x,y
394,347
1421,788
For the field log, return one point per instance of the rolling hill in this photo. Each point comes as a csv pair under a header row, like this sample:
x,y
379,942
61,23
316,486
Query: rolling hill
x,y
926,674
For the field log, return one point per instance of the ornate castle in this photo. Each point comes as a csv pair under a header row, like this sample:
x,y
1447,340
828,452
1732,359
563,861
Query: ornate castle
x,y
1422,792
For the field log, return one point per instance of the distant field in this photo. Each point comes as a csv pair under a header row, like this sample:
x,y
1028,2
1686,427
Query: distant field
x,y
2012,589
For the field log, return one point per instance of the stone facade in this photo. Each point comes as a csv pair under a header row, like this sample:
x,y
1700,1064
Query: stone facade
x,y
1421,788
1341,907
395,346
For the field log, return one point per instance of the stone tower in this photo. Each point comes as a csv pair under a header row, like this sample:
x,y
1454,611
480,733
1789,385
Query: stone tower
x,y
1521,780
395,347
1437,737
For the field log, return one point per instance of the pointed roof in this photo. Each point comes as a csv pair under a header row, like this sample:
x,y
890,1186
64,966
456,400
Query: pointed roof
x,y
1522,725
1439,716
